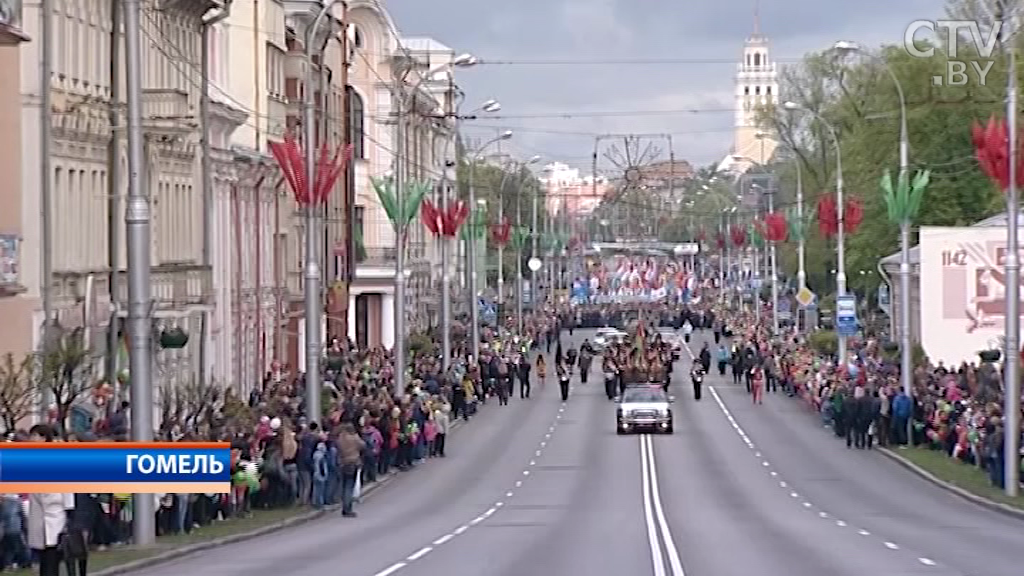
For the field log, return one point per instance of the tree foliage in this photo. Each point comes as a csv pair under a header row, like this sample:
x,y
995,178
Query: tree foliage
x,y
858,98
514,186
17,389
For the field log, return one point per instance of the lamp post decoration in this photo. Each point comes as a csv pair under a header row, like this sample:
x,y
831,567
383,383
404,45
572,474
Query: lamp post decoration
x,y
828,216
400,214
797,227
776,228
720,241
444,222
476,226
904,199
291,158
738,236
990,143
756,233
501,232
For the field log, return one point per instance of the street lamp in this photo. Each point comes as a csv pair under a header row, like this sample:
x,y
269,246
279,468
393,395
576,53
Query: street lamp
x,y
512,169
841,232
519,255
489,105
906,362
474,304
405,104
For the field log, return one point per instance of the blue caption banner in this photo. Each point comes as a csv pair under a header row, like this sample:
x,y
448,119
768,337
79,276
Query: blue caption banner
x,y
114,465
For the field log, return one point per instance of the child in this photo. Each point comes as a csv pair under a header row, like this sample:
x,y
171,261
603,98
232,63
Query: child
x,y
542,368
430,433
321,473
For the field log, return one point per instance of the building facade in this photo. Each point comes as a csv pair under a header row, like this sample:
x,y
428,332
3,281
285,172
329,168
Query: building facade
x,y
83,175
17,301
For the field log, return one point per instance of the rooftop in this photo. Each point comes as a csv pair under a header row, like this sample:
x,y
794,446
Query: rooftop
x,y
996,221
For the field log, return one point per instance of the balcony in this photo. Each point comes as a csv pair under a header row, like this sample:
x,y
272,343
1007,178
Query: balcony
x,y
174,286
167,111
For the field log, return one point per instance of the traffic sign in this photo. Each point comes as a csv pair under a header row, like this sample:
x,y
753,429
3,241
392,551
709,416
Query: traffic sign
x,y
846,315
805,297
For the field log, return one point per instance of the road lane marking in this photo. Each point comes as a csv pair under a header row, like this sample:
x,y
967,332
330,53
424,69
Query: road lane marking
x,y
757,454
652,532
391,569
481,518
670,546
419,554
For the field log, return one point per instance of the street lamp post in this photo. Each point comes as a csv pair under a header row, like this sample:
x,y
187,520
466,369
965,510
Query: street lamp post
x,y
513,170
474,305
446,245
840,233
1011,356
404,103
774,270
312,276
906,361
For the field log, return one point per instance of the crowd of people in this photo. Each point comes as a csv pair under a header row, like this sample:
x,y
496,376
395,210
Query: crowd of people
x,y
958,411
279,456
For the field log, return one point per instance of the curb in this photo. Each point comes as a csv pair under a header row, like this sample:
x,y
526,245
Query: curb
x,y
296,520
953,488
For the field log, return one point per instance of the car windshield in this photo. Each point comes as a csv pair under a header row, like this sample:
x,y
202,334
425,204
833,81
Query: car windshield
x,y
644,395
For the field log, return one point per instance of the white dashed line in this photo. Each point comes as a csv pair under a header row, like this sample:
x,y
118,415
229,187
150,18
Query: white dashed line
x,y
419,554
537,453
508,494
499,504
526,472
443,539
519,483
782,484
391,569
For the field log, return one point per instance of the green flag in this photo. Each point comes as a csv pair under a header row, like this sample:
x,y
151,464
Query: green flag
x,y
476,225
519,237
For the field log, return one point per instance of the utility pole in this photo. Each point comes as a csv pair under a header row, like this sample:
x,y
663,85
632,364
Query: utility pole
x,y
114,221
774,265
137,223
400,229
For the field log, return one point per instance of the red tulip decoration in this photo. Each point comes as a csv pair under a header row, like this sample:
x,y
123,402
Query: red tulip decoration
x,y
776,229
828,216
720,241
292,160
853,216
444,221
739,237
702,235
991,144
501,232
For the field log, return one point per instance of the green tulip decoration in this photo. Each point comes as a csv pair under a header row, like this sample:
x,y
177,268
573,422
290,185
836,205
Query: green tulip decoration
x,y
797,227
400,213
904,201
756,234
519,237
555,242
476,225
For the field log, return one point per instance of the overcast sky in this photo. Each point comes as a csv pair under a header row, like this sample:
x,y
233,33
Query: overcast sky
x,y
620,29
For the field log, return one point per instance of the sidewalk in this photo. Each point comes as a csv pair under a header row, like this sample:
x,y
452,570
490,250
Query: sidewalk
x,y
964,480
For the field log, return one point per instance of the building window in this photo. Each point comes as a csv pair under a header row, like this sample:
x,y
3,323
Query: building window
x,y
746,90
757,90
359,232
757,59
355,123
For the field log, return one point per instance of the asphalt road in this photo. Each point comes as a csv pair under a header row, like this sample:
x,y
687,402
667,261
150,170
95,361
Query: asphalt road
x,y
539,487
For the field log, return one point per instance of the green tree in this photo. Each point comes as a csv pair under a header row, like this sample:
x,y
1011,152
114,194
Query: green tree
x,y
859,99
514,188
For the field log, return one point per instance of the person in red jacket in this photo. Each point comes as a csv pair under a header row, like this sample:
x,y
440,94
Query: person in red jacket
x,y
757,384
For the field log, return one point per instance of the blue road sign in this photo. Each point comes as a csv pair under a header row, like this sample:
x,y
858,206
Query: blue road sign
x,y
846,315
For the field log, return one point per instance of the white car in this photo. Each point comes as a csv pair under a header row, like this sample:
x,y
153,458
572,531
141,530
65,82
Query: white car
x,y
606,336
644,407
674,340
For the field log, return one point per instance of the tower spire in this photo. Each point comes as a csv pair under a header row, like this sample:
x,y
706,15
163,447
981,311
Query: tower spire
x,y
757,17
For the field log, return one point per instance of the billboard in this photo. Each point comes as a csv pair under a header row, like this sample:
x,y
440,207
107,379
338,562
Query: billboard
x,y
962,291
